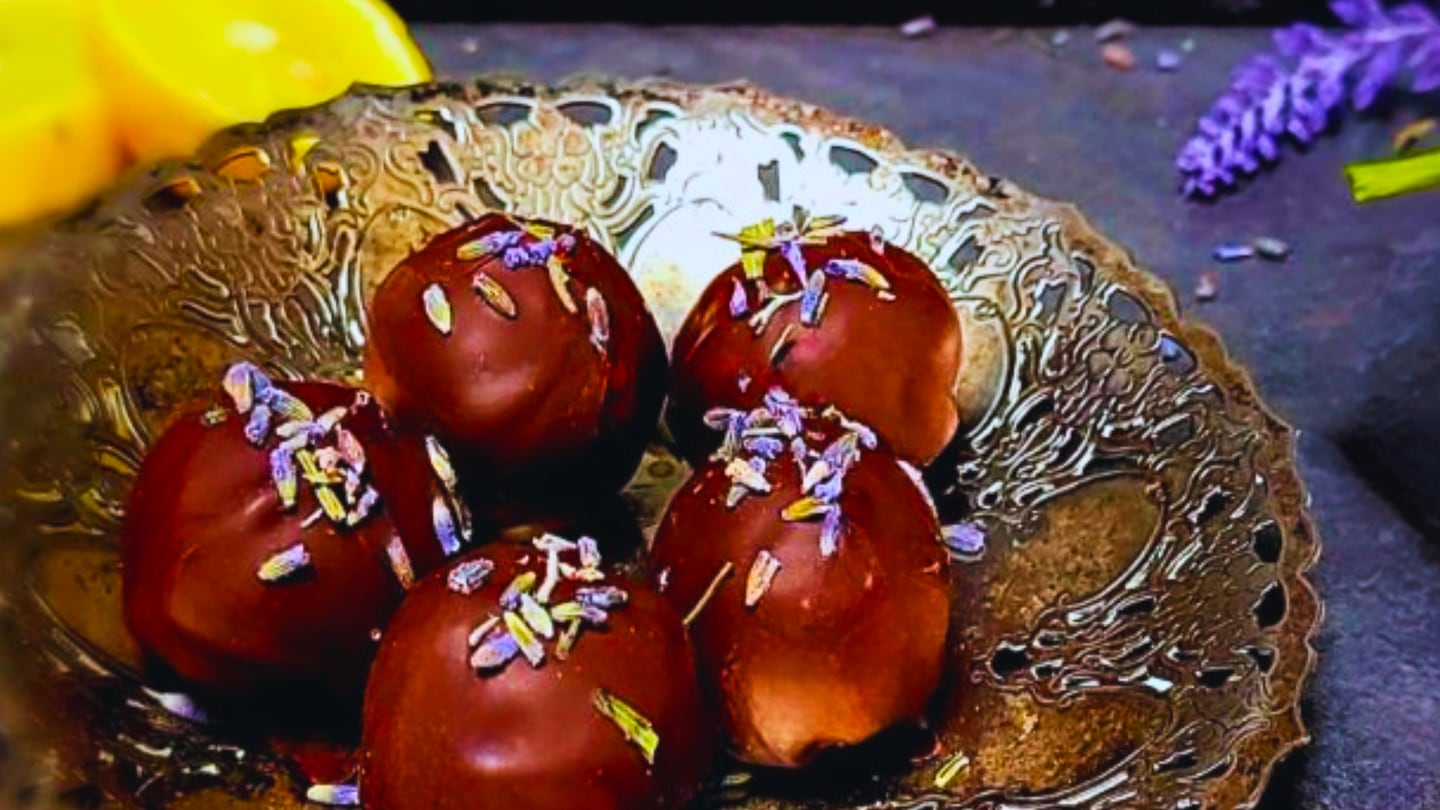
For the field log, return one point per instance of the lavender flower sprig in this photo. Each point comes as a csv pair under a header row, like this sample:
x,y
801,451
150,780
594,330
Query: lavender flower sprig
x,y
1296,94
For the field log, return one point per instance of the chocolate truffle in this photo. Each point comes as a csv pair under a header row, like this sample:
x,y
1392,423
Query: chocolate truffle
x,y
832,317
810,568
527,350
530,678
258,550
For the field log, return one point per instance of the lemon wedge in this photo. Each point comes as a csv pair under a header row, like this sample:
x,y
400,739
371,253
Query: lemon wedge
x,y
57,142
177,70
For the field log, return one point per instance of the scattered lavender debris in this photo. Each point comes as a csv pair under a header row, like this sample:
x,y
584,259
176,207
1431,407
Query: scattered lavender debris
x,y
1207,287
918,27
1113,30
333,795
1059,38
1118,56
1298,93
1167,60
1233,252
1271,249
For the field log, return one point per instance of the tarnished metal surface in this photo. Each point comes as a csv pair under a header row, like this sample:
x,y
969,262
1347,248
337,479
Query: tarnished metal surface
x,y
1137,635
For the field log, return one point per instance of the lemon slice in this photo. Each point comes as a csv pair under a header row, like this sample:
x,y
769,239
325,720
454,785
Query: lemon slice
x,y
177,70
57,142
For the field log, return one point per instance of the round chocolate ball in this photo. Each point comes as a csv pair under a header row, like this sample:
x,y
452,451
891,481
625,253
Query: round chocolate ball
x,y
502,684
835,318
811,567
258,551
527,350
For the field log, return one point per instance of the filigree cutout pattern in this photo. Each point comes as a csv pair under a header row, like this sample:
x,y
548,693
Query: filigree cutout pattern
x,y
1175,640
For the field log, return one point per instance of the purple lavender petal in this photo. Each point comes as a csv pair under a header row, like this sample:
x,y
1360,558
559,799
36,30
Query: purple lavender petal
x,y
283,475
443,522
829,490
739,300
497,650
810,298
790,249
964,538
787,412
516,257
831,529
765,446
498,241
1356,13
605,597
1297,39
540,252
258,427
848,269
1376,74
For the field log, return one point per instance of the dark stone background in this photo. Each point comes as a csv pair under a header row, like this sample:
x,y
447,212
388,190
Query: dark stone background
x,y
1342,340
834,12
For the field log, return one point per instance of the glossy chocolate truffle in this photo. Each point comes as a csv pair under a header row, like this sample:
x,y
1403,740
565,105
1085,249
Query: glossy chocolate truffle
x,y
832,317
258,551
525,678
811,566
528,350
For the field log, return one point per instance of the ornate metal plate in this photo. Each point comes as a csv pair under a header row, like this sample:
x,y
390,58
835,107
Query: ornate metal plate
x,y
1137,634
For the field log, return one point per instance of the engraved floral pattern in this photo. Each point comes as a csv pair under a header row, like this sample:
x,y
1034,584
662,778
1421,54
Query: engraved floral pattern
x,y
1083,373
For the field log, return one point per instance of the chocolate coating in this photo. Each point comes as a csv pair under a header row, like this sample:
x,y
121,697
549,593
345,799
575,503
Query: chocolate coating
x,y
836,649
438,734
533,399
204,516
891,364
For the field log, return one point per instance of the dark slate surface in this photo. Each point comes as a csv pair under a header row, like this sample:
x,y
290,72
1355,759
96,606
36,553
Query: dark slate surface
x,y
1342,340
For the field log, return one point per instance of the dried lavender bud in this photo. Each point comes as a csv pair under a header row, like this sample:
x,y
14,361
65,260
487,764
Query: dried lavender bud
x,y
285,564
437,309
530,646
238,383
606,597
811,298
1271,249
790,250
767,447
497,650
523,583
400,563
536,616
636,728
576,611
589,552
964,538
560,282
831,529
599,315
1232,252
548,542
762,573
739,300
257,428
443,521
1296,94
495,296
333,795
467,577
